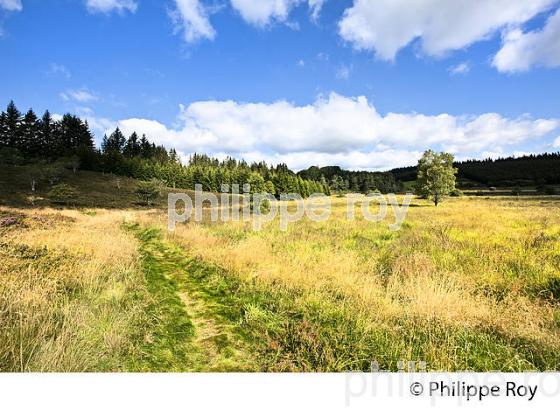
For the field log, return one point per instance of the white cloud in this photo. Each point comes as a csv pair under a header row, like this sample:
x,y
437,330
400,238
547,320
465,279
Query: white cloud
x,y
343,72
316,6
11,5
556,143
59,69
356,160
386,26
99,125
335,130
521,51
462,68
264,12
107,6
192,18
81,95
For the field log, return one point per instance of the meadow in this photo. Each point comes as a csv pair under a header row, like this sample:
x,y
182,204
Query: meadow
x,y
473,284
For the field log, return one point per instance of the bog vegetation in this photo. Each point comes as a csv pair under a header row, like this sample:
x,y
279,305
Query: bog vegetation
x,y
473,284
90,279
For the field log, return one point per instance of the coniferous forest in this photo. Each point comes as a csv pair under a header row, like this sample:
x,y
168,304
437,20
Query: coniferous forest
x,y
28,139
541,169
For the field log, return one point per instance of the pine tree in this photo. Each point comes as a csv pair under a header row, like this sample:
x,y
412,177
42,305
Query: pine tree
x,y
3,133
173,157
145,147
12,125
114,143
29,142
132,148
104,144
85,137
45,140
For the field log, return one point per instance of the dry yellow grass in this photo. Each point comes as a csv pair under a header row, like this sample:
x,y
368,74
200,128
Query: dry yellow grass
x,y
478,265
473,284
66,280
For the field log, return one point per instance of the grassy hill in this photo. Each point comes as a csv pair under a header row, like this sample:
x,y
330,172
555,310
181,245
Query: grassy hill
x,y
94,189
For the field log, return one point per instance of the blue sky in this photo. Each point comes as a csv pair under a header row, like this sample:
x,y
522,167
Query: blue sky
x,y
366,84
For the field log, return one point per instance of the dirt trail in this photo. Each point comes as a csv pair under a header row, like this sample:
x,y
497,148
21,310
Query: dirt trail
x,y
188,334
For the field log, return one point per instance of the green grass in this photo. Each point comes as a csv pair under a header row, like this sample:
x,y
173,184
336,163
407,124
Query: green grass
x,y
470,285
286,330
187,330
167,344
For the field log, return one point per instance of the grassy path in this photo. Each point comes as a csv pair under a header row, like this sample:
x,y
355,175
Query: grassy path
x,y
187,332
204,319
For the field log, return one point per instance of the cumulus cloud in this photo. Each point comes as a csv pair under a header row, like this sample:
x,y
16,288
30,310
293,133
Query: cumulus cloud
x,y
11,5
386,26
80,95
191,18
263,12
108,6
334,130
521,51
556,143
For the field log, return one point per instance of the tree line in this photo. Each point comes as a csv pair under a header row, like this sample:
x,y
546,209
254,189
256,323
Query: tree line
x,y
28,139
526,170
341,180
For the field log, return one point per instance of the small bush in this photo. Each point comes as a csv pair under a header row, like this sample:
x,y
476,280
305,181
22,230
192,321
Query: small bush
x,y
456,192
53,172
63,194
149,190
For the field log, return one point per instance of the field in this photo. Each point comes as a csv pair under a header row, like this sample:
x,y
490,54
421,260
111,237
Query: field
x,y
473,284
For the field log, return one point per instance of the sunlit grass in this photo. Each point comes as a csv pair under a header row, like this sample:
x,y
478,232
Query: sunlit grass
x,y
473,284
69,283
475,274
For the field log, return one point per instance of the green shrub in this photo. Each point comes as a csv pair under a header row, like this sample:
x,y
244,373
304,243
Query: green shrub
x,y
63,194
149,190
53,172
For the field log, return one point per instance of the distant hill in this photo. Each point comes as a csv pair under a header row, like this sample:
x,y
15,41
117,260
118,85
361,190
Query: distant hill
x,y
542,169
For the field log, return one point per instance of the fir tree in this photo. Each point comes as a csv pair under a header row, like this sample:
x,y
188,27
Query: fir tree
x,y
28,143
45,137
114,143
132,149
3,132
12,125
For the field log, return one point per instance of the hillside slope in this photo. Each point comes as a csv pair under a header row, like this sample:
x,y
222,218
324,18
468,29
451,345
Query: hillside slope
x,y
95,189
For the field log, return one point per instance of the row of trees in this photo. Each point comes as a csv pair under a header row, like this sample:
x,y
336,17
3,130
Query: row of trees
x,y
341,180
25,138
527,170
